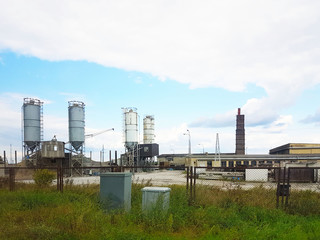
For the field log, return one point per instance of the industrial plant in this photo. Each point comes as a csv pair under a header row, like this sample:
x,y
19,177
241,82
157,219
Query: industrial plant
x,y
38,152
53,152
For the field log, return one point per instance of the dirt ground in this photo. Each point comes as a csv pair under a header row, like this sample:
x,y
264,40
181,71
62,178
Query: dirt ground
x,y
176,177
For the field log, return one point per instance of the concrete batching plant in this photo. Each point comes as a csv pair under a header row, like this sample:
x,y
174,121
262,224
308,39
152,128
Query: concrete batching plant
x,y
32,113
138,154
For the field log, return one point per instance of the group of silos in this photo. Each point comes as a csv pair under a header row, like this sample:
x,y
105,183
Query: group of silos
x,y
138,154
131,128
32,111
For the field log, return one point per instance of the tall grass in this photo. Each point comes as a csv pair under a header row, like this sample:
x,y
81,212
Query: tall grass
x,y
33,213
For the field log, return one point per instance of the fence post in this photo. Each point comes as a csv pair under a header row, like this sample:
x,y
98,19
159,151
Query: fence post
x,y
194,183
288,189
283,186
59,179
191,185
278,186
11,179
187,178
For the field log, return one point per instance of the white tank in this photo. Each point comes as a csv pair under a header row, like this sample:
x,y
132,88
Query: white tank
x,y
32,110
148,130
76,124
130,127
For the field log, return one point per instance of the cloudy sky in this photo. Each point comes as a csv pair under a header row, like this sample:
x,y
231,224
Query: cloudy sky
x,y
191,64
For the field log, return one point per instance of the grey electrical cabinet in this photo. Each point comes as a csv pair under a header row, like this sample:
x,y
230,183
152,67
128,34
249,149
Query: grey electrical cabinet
x,y
115,190
152,196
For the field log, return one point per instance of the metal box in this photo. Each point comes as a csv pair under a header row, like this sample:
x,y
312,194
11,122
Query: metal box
x,y
152,196
115,190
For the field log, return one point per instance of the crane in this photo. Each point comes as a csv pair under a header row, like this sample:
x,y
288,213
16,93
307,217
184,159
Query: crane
x,y
98,133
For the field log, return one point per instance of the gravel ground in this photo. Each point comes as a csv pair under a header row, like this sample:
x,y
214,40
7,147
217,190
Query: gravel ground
x,y
176,177
157,178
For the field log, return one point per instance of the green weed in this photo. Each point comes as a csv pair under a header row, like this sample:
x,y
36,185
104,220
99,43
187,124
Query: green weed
x,y
43,177
33,213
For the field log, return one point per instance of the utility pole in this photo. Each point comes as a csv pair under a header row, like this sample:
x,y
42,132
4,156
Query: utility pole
x,y
188,133
217,154
103,153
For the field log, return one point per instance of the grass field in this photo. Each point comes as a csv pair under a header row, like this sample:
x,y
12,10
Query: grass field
x,y
36,213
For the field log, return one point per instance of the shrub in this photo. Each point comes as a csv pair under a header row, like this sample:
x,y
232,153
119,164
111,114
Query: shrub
x,y
43,177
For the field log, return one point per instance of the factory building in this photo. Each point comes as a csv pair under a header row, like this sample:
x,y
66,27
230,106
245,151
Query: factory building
x,y
234,160
296,148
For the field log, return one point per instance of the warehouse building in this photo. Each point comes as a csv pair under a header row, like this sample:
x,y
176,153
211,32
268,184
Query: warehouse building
x,y
296,148
292,153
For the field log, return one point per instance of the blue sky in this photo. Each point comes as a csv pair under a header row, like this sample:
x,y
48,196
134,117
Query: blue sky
x,y
189,64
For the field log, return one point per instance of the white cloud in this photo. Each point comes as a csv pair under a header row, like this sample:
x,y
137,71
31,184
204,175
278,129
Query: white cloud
x,y
208,43
226,119
260,139
226,44
173,141
314,118
10,124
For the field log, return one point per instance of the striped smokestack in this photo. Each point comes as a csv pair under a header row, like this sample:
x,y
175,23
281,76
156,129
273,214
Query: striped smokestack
x,y
240,134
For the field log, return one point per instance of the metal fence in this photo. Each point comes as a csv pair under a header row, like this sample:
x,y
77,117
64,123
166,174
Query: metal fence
x,y
281,181
13,177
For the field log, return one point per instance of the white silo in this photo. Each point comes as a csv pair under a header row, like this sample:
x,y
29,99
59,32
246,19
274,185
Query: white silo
x,y
130,127
32,124
148,129
76,124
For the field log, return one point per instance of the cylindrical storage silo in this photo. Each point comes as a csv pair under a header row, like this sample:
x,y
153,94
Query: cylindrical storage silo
x,y
32,122
148,130
131,127
76,124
